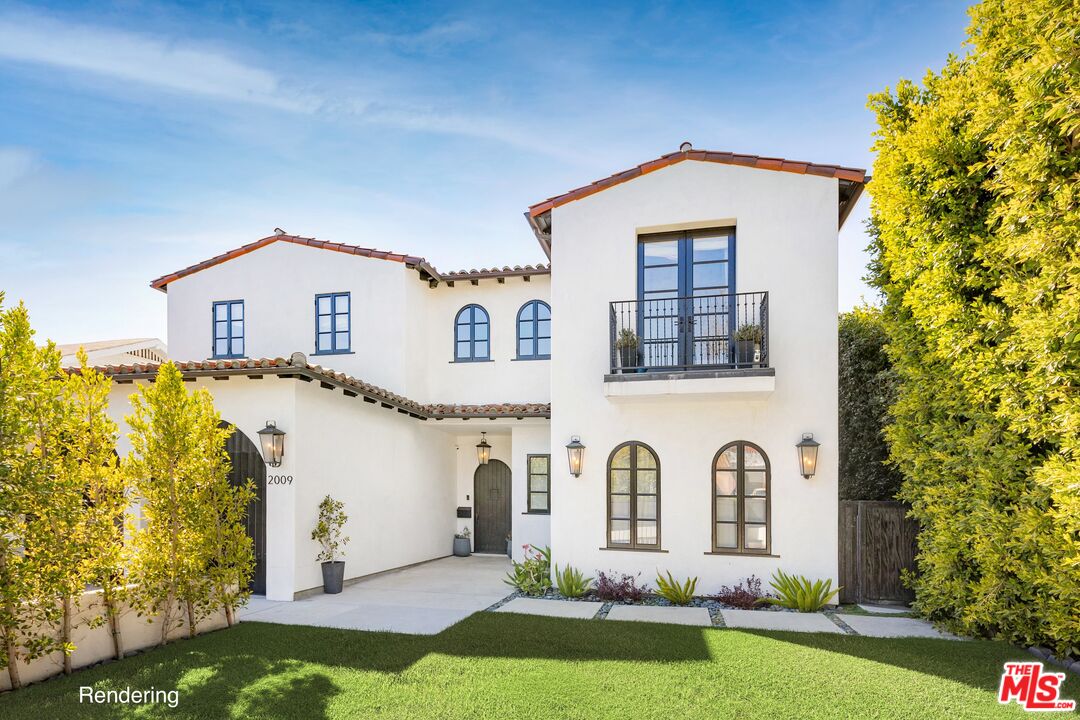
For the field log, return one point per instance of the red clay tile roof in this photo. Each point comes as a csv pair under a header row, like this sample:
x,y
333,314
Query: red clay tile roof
x,y
505,271
855,175
298,366
411,261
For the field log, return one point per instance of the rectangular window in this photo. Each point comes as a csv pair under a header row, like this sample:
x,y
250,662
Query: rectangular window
x,y
539,467
228,318
333,323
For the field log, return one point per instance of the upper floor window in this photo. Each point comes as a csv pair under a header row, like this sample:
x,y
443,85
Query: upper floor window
x,y
229,329
332,323
472,340
634,497
534,331
741,499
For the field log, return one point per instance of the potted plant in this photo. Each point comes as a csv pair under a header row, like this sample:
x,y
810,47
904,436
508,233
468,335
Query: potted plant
x,y
748,344
462,547
327,533
626,346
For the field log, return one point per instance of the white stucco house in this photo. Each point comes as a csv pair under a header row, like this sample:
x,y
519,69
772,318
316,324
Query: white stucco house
x,y
685,332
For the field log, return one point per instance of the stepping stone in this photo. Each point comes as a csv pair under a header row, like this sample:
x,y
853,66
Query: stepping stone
x,y
583,610
885,609
661,614
773,620
894,627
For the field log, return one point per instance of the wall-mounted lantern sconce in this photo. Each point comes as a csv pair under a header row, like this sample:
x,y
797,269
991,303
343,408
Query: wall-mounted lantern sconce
x,y
807,448
273,444
483,450
575,453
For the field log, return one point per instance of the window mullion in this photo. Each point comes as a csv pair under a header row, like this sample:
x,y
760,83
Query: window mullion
x,y
633,495
740,491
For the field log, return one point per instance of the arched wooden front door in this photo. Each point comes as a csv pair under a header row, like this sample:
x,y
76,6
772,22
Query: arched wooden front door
x,y
491,505
247,463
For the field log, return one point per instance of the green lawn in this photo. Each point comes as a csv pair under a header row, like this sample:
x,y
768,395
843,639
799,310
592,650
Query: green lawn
x,y
512,666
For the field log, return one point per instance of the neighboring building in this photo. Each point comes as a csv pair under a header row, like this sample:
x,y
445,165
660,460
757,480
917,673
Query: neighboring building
x,y
686,332
115,352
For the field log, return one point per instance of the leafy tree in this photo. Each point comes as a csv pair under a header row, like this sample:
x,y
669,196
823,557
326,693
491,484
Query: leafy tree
x,y
867,388
29,473
975,217
93,462
179,469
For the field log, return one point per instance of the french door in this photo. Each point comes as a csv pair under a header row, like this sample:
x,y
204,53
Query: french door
x,y
686,281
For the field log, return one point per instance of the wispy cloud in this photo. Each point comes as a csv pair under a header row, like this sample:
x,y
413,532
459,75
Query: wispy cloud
x,y
154,61
15,163
184,67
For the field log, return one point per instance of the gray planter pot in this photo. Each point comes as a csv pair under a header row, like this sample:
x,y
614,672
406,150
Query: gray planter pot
x,y
461,547
333,576
628,359
745,350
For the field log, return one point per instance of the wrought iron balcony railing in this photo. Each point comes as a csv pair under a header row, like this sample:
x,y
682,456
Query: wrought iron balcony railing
x,y
690,333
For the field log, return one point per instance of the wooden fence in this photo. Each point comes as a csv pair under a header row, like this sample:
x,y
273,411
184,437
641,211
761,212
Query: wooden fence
x,y
877,541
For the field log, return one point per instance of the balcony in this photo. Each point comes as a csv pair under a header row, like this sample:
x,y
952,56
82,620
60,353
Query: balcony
x,y
699,344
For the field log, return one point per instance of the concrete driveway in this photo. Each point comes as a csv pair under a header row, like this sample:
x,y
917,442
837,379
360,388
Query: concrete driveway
x,y
421,600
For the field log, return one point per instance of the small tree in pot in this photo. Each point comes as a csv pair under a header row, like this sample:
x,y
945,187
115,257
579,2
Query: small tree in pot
x,y
327,533
626,346
748,344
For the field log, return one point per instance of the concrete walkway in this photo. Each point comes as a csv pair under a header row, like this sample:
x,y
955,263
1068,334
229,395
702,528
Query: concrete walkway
x,y
420,600
882,626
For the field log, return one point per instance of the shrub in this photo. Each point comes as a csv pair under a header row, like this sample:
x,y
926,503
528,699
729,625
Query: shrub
x,y
678,593
867,387
974,222
532,576
738,596
571,582
623,588
799,593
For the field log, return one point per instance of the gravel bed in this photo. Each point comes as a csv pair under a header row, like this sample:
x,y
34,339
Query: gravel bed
x,y
711,604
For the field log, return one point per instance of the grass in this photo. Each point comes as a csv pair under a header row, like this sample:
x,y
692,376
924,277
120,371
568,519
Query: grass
x,y
514,666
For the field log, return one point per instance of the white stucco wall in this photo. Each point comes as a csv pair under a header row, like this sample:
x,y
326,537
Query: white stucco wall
x,y
402,335
504,379
786,240
394,473
278,284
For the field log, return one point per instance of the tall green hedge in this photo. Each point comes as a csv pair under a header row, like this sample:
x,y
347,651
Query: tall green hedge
x,y
867,388
976,219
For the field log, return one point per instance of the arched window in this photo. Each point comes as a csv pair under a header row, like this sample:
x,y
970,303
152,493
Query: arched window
x,y
741,499
633,497
534,331
471,338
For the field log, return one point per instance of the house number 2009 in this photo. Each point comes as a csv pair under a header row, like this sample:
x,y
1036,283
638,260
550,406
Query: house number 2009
x,y
279,480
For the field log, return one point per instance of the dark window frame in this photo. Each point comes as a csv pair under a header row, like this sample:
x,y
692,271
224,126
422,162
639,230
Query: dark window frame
x,y
683,312
472,324
229,338
334,332
633,495
534,324
529,475
740,494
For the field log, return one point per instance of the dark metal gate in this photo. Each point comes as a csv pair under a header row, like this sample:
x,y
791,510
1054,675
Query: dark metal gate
x,y
491,500
877,542
247,463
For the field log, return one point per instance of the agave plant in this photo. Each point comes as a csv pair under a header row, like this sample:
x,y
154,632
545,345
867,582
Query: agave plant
x,y
800,593
571,582
671,589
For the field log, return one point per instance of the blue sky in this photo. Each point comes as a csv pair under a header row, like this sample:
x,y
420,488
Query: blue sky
x,y
138,137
